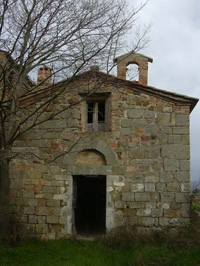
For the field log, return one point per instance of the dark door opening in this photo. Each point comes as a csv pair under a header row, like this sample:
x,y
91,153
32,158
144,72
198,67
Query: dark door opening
x,y
90,204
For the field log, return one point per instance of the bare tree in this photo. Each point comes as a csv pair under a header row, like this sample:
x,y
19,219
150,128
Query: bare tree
x,y
68,36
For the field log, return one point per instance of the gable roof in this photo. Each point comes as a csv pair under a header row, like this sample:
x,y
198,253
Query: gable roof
x,y
110,79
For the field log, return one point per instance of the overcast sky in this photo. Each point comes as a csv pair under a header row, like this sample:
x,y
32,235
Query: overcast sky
x,y
175,48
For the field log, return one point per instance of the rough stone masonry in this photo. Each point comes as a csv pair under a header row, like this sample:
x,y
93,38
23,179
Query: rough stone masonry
x,y
141,145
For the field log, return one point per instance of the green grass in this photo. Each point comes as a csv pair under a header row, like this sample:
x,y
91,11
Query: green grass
x,y
82,253
196,206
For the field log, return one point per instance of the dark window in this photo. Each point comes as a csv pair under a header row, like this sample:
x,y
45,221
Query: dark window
x,y
90,111
96,115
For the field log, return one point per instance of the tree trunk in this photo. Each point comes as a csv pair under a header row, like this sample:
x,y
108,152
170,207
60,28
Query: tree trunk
x,y
4,191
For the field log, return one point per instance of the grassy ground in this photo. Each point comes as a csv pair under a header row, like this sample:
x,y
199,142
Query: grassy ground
x,y
82,253
181,248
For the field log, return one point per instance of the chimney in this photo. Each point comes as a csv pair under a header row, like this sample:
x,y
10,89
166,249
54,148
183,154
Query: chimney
x,y
94,68
44,76
133,58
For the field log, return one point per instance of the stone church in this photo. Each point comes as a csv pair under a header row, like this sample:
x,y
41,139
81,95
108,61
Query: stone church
x,y
119,156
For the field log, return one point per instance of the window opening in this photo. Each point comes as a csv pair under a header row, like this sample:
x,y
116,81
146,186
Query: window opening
x,y
90,112
96,115
132,72
101,111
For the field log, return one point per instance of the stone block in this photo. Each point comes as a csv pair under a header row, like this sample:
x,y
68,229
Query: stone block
x,y
136,187
170,213
49,189
171,165
53,203
153,152
152,129
148,221
119,184
33,202
120,204
144,212
52,219
182,176
182,120
175,151
17,183
32,219
62,220
185,210
167,130
160,187
173,187
137,153
150,187
185,187
54,169
185,139
28,194
116,196
145,196
174,139
157,212
125,123
151,177
125,131
129,212
165,177
167,197
135,205
61,177
134,221
29,210
135,113
154,196
41,219
181,130
163,119
167,109
48,211
185,165
41,228
182,197
128,196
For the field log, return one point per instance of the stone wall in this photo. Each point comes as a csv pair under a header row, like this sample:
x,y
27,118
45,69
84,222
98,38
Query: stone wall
x,y
146,164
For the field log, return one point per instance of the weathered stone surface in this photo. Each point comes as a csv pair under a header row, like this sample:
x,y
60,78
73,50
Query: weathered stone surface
x,y
145,196
128,196
126,123
174,139
150,187
180,130
153,152
135,113
137,187
184,165
163,119
176,151
182,197
145,151
167,197
182,120
171,165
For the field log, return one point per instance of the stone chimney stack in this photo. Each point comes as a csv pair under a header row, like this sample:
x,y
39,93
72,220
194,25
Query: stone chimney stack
x,y
133,58
44,76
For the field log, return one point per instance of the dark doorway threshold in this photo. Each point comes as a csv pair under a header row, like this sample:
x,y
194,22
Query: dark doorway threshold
x,y
90,205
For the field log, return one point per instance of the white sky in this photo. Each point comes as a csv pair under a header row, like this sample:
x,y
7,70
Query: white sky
x,y
175,48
